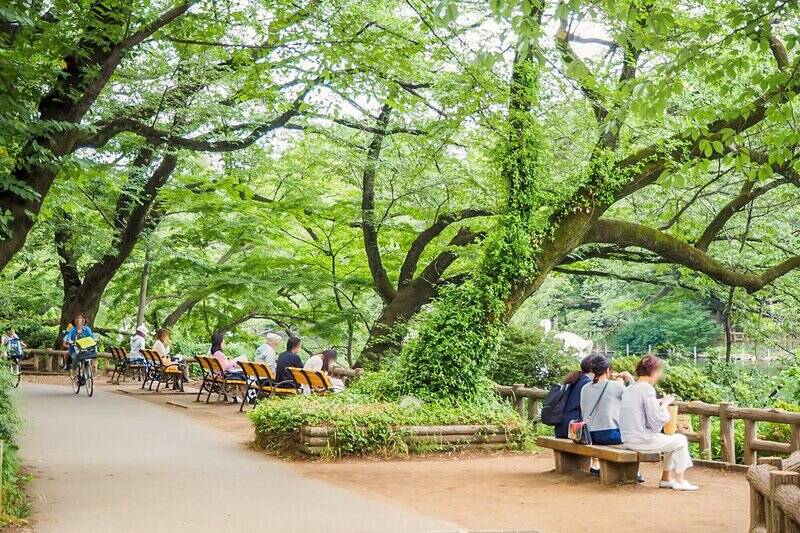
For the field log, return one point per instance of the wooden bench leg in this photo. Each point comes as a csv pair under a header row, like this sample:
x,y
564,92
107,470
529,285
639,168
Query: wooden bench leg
x,y
567,463
616,473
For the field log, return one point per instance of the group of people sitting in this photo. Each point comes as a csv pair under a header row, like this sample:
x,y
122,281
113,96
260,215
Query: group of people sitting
x,y
279,364
621,409
266,353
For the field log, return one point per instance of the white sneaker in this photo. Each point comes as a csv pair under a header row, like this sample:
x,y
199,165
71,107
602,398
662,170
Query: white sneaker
x,y
685,485
666,484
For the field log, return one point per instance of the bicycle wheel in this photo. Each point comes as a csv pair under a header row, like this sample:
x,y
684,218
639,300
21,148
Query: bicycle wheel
x,y
75,377
88,377
16,370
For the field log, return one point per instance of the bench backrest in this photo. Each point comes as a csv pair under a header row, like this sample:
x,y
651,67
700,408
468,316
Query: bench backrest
x,y
257,371
205,366
118,352
315,380
148,357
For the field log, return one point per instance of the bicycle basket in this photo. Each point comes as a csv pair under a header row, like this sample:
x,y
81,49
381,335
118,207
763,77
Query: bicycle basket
x,y
91,353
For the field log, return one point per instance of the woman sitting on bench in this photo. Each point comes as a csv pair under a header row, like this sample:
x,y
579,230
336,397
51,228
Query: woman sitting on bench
x,y
162,346
641,419
572,408
324,362
603,398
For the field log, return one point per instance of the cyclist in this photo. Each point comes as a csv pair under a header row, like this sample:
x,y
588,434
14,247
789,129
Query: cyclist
x,y
79,330
13,345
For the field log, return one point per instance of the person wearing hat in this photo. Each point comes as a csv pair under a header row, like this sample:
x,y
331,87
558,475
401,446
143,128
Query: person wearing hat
x,y
266,353
138,344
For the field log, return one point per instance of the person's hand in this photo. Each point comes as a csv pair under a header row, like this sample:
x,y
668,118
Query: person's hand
x,y
626,376
667,399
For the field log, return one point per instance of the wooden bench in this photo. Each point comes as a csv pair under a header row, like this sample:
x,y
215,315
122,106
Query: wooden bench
x,y
261,379
316,380
617,465
215,380
123,367
159,371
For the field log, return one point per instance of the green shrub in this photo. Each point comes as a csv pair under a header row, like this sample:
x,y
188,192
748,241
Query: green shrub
x,y
363,425
15,505
691,383
686,381
530,358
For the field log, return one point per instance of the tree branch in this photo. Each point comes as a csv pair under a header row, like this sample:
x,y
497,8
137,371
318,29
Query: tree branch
x,y
415,251
679,252
369,228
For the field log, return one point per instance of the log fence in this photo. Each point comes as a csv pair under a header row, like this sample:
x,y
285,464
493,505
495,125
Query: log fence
x,y
775,495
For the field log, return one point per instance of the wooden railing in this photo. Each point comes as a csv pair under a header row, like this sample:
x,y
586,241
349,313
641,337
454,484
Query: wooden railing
x,y
527,401
774,495
727,413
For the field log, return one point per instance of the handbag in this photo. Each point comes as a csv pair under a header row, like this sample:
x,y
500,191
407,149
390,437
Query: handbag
x,y
578,430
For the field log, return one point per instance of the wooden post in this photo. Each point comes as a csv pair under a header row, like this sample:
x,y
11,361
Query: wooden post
x,y
794,439
776,520
36,363
704,432
777,462
758,515
726,433
533,410
750,435
517,399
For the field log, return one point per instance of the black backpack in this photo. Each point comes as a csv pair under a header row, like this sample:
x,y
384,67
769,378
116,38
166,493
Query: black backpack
x,y
554,404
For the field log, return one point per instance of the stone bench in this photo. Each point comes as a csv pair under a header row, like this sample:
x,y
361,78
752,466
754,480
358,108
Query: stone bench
x,y
617,465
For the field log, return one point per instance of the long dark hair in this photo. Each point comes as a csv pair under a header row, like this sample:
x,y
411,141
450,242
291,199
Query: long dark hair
x,y
216,342
586,367
328,356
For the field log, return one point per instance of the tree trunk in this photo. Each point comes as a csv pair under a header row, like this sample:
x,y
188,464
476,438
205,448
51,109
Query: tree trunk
x,y
143,287
386,336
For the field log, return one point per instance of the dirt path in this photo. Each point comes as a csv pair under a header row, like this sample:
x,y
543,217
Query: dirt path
x,y
113,463
520,492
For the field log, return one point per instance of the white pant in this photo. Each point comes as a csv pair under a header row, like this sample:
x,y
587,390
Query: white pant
x,y
674,447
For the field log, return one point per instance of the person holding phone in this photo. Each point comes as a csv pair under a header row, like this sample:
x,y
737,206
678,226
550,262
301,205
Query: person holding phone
x,y
641,419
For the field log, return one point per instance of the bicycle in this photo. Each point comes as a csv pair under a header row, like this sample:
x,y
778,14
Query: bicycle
x,y
81,372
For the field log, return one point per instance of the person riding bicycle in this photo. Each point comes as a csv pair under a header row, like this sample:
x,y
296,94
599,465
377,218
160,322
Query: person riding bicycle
x,y
14,346
80,330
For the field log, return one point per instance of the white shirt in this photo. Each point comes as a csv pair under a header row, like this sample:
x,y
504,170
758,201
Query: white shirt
x,y
266,354
161,348
137,345
641,415
315,363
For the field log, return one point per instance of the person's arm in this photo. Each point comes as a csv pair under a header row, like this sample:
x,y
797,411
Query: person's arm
x,y
655,412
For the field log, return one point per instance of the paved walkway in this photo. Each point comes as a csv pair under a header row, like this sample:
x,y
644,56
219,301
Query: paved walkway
x,y
114,463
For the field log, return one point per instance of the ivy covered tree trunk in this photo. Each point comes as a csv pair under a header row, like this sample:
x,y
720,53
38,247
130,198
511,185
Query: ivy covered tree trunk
x,y
450,355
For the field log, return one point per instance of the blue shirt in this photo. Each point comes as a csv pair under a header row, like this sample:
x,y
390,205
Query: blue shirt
x,y
73,335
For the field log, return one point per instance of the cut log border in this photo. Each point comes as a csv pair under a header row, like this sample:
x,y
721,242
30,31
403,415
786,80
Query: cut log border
x,y
528,401
318,440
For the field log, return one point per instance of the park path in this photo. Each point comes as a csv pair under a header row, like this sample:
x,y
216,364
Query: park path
x,y
114,463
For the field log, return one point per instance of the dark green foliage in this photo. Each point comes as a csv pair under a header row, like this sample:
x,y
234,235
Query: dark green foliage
x,y
681,325
530,358
15,505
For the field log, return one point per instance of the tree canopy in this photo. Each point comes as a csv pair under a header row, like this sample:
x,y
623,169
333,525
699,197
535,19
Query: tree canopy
x,y
398,178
